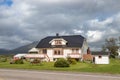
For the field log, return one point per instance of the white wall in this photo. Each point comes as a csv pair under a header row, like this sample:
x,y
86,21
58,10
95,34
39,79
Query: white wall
x,y
66,52
69,51
80,51
102,60
50,54
63,42
84,47
53,43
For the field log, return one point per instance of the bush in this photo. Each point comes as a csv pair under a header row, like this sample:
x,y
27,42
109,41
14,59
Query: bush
x,y
87,61
112,56
61,63
3,59
71,61
19,61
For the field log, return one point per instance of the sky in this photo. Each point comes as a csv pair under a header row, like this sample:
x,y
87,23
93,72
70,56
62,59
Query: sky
x,y
25,21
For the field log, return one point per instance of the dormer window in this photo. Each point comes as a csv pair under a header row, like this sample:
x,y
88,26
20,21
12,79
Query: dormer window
x,y
58,42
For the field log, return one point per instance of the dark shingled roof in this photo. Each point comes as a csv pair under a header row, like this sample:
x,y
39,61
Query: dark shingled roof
x,y
100,53
72,41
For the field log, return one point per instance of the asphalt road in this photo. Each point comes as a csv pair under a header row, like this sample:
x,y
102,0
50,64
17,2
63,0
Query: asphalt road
x,y
7,74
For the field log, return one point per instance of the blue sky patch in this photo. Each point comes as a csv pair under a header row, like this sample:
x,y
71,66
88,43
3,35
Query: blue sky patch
x,y
6,2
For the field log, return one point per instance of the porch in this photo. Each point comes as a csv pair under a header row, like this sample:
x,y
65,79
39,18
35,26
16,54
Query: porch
x,y
74,55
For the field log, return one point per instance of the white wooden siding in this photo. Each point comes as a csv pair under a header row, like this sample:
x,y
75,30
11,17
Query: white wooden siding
x,y
50,54
102,60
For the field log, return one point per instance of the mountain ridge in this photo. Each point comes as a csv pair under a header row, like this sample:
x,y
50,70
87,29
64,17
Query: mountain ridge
x,y
21,49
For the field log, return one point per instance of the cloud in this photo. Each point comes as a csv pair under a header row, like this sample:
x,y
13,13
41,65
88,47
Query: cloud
x,y
94,36
77,31
31,20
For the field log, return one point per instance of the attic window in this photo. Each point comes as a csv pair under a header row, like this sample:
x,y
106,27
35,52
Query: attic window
x,y
58,42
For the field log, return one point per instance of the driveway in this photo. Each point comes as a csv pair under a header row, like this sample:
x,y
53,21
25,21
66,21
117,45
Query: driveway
x,y
8,74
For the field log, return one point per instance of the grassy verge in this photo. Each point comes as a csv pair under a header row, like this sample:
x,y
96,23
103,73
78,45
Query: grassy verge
x,y
112,68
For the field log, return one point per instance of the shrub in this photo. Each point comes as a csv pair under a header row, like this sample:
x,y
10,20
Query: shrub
x,y
72,61
87,61
19,61
3,59
61,63
112,56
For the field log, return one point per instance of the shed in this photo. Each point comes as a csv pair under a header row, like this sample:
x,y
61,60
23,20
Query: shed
x,y
101,57
19,56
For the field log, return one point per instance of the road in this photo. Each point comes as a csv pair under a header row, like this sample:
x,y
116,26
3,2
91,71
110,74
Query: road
x,y
8,74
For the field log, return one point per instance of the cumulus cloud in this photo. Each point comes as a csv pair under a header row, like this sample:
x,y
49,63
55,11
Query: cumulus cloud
x,y
31,20
94,36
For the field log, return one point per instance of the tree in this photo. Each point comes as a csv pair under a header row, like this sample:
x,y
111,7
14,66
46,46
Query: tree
x,y
111,46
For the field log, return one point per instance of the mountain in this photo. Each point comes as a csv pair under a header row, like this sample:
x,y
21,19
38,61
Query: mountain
x,y
25,48
4,51
22,49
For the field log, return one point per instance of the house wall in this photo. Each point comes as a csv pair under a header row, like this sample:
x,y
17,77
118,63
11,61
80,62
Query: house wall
x,y
84,47
66,52
69,51
50,54
103,60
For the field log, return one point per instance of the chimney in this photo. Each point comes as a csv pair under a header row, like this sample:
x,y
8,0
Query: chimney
x,y
57,34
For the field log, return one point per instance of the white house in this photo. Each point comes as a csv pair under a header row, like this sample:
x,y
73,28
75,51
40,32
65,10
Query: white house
x,y
54,47
101,57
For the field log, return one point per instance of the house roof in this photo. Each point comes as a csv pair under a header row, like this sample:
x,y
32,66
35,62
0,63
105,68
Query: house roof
x,y
100,53
19,55
72,41
33,50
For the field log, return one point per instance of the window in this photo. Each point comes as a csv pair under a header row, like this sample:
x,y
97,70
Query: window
x,y
58,42
57,52
75,50
44,51
100,56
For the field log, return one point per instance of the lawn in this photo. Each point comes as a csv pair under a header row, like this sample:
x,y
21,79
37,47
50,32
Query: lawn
x,y
112,68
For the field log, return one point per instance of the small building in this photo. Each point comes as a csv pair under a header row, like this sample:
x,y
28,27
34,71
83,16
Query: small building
x,y
19,56
101,57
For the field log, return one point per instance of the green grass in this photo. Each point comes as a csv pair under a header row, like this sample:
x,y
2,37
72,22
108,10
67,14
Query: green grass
x,y
112,68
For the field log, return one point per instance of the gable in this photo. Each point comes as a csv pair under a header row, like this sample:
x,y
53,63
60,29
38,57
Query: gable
x,y
58,41
71,41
